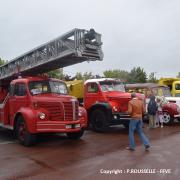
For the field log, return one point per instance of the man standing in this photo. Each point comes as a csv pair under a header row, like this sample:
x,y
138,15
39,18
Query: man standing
x,y
136,110
152,109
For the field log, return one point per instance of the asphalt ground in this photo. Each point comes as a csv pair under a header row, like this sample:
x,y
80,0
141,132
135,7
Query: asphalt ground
x,y
95,156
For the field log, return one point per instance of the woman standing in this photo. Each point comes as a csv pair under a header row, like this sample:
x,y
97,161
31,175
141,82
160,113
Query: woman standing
x,y
159,111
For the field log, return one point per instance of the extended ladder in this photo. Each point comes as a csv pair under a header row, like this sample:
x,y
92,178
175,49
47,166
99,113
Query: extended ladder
x,y
73,47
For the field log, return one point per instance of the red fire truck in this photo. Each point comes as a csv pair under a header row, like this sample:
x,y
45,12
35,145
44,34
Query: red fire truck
x,y
32,104
105,100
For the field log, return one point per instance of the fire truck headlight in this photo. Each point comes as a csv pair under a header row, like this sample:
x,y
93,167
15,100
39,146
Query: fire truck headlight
x,y
80,114
42,116
115,108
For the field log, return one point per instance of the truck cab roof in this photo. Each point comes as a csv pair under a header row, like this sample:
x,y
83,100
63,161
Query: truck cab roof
x,y
101,80
36,78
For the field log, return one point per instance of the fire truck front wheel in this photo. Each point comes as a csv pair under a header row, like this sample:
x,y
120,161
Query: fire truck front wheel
x,y
99,120
75,135
24,137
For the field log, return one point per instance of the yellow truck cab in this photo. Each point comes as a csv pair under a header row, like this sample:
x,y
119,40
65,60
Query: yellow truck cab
x,y
173,84
76,88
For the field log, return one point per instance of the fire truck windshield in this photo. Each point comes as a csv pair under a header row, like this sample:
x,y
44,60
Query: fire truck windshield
x,y
42,87
112,86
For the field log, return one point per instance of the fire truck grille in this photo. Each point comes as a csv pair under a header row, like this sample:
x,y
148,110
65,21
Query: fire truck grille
x,y
65,111
71,110
55,110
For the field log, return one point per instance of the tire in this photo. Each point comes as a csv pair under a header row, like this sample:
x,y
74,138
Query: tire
x,y
126,125
167,118
24,137
99,121
75,135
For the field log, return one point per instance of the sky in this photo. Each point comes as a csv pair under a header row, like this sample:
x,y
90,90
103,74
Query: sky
x,y
143,33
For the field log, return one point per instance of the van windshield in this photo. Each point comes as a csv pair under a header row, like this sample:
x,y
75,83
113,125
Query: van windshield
x,y
112,86
42,87
161,91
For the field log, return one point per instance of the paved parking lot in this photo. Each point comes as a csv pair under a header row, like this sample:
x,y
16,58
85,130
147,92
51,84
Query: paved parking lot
x,y
95,156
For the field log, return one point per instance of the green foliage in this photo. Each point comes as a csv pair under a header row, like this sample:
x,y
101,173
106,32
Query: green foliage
x,y
2,62
79,76
178,76
152,78
120,74
58,74
85,76
137,75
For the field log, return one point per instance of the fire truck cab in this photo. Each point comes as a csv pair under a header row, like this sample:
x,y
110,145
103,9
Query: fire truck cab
x,y
39,105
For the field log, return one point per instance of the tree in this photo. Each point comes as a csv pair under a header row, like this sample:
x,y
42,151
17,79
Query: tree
x,y
79,76
88,75
58,74
120,74
2,62
178,76
137,75
85,76
152,78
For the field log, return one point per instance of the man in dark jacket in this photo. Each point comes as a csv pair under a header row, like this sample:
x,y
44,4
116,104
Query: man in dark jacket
x,y
152,109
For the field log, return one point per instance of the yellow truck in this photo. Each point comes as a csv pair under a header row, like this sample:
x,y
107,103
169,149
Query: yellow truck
x,y
173,84
76,88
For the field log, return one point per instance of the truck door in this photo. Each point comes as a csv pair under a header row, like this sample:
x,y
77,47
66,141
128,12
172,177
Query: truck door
x,y
91,94
18,98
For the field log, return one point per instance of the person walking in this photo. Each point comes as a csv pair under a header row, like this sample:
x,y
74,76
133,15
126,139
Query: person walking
x,y
136,110
152,109
160,111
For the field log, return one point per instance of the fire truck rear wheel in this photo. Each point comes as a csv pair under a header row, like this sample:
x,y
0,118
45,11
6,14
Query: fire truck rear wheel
x,y
24,137
99,120
75,135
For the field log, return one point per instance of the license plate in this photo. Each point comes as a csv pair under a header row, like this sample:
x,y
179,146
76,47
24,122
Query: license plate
x,y
77,125
69,126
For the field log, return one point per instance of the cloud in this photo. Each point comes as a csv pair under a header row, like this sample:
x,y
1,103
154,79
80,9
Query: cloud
x,y
134,32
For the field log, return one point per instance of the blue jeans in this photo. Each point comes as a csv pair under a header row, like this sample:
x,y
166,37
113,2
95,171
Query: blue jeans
x,y
136,124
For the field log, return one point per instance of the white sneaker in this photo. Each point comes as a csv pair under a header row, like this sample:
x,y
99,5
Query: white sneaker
x,y
161,126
